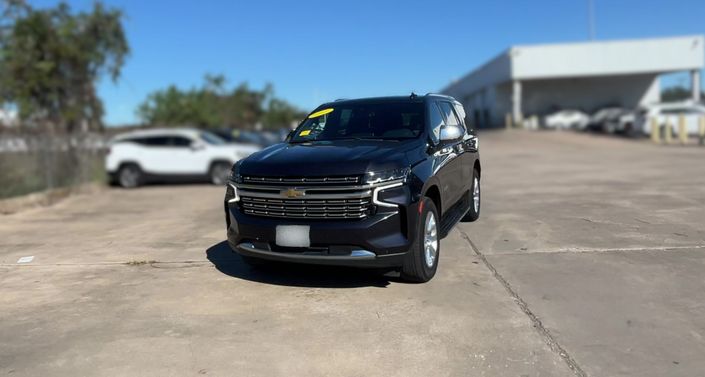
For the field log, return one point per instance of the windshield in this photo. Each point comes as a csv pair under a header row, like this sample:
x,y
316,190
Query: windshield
x,y
212,139
384,120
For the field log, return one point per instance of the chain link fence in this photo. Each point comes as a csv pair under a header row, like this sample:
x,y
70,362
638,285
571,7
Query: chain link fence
x,y
31,162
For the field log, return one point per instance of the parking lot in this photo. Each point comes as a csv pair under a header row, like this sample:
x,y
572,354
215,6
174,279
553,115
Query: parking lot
x,y
588,260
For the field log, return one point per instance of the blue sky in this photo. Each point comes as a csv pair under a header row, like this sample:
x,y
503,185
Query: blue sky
x,y
314,51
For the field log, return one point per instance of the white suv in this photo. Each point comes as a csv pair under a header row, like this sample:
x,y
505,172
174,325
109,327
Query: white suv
x,y
669,113
138,157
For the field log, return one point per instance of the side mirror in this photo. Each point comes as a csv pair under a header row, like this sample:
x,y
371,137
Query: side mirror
x,y
450,133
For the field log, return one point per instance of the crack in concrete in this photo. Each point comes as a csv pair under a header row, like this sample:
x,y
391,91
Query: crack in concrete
x,y
126,264
579,250
538,325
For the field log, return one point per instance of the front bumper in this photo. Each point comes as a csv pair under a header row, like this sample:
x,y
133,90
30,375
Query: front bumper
x,y
380,240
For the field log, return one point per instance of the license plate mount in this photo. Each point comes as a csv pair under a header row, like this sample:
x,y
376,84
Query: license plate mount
x,y
293,235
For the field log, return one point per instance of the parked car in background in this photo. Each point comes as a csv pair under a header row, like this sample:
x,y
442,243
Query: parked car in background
x,y
625,124
669,114
139,157
565,119
606,120
262,138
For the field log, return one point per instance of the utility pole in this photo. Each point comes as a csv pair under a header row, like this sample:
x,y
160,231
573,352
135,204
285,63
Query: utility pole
x,y
591,19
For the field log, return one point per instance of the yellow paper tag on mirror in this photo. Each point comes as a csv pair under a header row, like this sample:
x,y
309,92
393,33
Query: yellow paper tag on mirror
x,y
304,133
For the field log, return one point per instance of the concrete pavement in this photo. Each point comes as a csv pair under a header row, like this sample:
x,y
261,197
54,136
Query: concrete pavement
x,y
587,260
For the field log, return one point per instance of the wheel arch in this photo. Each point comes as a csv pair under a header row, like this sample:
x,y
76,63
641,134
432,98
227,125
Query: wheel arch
x,y
218,161
125,163
434,193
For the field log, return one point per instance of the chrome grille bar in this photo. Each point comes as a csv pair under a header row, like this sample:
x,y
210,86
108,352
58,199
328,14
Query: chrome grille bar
x,y
301,180
306,198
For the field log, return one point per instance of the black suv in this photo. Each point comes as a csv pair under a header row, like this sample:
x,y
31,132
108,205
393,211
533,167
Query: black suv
x,y
373,182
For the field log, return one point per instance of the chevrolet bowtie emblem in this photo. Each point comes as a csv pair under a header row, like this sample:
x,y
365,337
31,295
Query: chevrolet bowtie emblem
x,y
292,193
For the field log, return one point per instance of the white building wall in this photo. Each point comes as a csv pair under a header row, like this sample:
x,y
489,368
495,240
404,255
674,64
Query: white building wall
x,y
495,71
589,93
577,75
608,58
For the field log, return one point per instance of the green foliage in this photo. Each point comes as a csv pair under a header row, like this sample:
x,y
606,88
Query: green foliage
x,y
214,106
677,93
50,60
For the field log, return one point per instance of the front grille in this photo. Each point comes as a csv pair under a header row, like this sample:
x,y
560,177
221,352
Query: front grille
x,y
307,208
299,181
305,197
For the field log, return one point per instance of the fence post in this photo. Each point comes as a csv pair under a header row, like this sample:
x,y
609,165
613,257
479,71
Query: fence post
x,y
701,132
508,121
655,131
682,131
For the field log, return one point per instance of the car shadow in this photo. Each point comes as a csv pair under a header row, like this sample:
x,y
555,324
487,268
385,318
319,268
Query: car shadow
x,y
295,275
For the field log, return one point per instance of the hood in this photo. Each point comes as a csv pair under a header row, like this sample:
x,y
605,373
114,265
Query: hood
x,y
328,158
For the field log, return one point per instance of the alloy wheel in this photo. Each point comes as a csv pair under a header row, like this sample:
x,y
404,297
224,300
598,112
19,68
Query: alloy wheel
x,y
430,240
476,194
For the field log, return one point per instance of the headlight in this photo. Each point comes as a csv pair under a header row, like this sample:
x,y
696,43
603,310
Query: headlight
x,y
235,173
375,177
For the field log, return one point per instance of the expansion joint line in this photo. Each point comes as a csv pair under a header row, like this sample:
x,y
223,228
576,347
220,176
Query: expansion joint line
x,y
543,332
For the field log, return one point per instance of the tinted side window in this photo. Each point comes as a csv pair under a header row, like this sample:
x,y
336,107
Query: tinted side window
x,y
463,116
451,118
155,141
152,141
179,141
436,122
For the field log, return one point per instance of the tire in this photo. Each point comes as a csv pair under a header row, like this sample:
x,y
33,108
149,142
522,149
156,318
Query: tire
x,y
421,261
219,173
129,176
475,196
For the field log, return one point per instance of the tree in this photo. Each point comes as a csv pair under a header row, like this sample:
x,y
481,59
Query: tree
x,y
214,106
677,93
51,59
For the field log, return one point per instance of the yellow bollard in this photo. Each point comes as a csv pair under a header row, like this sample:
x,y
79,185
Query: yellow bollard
x,y
655,131
508,121
682,131
668,132
701,132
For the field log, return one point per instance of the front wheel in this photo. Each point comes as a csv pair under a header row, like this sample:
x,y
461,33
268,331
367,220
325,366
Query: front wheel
x,y
474,211
129,176
422,260
219,173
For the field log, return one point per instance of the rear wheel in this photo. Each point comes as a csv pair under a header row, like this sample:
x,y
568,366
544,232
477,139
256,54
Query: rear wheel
x,y
219,173
422,260
129,176
474,211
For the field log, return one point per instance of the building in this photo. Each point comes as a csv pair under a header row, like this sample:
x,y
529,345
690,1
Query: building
x,y
538,79
8,118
